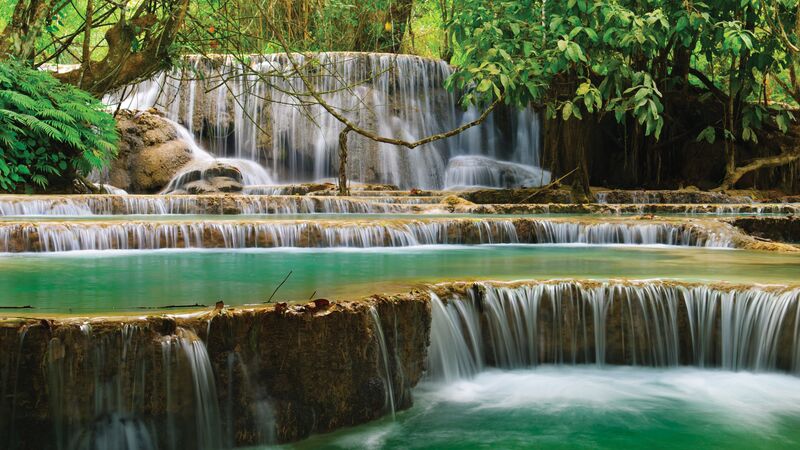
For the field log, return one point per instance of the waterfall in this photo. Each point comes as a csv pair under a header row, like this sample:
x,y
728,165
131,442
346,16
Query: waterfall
x,y
144,235
179,204
207,416
279,201
250,110
117,401
384,358
456,347
252,172
653,323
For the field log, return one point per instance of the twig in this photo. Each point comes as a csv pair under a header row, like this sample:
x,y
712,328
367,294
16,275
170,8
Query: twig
x,y
196,305
269,300
548,186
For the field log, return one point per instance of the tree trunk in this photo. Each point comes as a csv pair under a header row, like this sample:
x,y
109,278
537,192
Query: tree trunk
x,y
398,18
343,161
566,143
736,173
18,39
387,35
130,59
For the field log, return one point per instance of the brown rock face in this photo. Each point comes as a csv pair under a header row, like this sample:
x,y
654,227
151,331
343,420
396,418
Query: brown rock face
x,y
781,229
257,376
149,155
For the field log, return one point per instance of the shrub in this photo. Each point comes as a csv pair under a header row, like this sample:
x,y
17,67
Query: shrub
x,y
49,131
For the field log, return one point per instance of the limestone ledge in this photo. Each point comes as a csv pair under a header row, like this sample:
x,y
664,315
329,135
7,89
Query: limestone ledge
x,y
314,368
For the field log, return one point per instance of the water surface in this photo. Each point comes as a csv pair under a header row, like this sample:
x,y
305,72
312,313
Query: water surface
x,y
590,408
98,281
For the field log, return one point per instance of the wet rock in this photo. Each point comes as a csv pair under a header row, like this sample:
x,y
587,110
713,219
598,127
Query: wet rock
x,y
690,195
781,229
217,178
282,375
521,195
150,154
453,200
212,186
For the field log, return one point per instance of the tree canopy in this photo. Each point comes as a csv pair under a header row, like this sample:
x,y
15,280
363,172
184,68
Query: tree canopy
x,y
638,63
632,59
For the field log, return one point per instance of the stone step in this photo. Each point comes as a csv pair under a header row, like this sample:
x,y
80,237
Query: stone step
x,y
55,236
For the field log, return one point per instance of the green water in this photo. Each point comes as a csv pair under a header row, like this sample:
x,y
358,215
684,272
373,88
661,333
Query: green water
x,y
89,282
590,408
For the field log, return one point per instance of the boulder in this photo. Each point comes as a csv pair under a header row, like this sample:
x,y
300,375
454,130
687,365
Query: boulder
x,y
150,153
207,178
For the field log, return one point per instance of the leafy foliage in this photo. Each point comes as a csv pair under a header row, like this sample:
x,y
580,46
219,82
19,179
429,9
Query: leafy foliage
x,y
620,56
49,129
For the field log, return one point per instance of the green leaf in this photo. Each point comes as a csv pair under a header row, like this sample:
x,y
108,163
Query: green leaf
x,y
484,85
709,134
782,121
566,111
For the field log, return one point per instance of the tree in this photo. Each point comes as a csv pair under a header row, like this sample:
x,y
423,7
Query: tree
x,y
636,61
135,38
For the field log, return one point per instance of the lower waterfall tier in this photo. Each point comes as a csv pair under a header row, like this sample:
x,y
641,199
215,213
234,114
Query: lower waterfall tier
x,y
208,380
650,323
234,377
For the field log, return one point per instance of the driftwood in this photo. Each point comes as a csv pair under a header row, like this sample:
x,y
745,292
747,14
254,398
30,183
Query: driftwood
x,y
548,185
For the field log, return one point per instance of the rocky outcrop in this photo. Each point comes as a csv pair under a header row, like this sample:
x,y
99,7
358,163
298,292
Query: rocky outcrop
x,y
520,195
208,380
150,153
681,196
781,229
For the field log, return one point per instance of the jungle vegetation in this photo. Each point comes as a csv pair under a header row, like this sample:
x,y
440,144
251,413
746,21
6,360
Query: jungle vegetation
x,y
649,73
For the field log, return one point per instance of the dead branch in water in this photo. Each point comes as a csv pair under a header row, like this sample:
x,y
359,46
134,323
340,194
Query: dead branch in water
x,y
269,300
549,185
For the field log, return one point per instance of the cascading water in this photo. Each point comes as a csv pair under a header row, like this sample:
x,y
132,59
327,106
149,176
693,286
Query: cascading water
x,y
384,357
85,235
252,173
207,417
645,323
250,110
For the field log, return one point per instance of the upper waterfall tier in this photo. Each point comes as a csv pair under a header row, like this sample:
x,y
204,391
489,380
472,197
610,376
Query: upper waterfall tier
x,y
322,202
260,110
56,235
